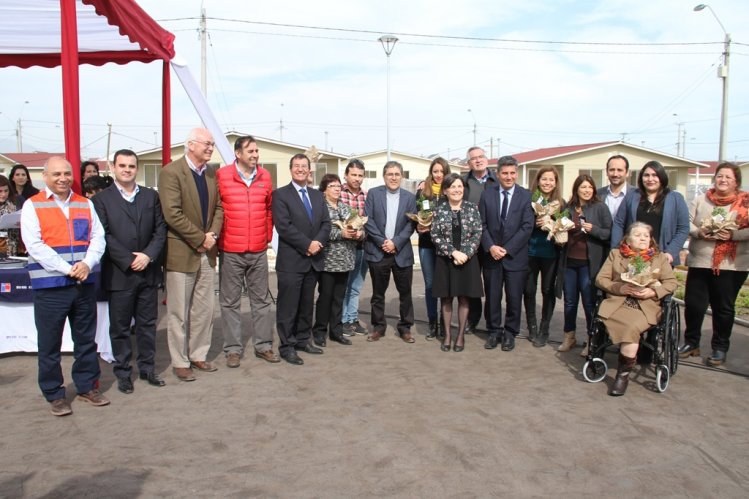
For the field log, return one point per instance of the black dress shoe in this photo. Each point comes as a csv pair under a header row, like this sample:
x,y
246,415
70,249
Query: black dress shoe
x,y
152,378
508,342
293,358
717,358
125,385
689,350
491,342
445,347
319,341
309,349
470,328
341,339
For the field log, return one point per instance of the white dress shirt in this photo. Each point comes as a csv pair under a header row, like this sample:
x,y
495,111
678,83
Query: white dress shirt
x,y
47,257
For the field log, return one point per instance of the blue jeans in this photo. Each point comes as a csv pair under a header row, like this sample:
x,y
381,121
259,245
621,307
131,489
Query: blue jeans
x,y
427,257
353,287
577,284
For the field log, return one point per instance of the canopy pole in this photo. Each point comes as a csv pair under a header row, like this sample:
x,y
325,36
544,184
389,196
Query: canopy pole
x,y
70,92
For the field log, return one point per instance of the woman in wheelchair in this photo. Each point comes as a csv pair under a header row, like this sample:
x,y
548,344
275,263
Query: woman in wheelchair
x,y
630,309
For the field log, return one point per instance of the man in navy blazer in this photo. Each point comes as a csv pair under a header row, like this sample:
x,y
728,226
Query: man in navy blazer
x,y
388,249
303,225
135,232
507,219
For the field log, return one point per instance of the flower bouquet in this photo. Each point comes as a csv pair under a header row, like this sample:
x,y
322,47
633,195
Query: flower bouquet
x,y
641,274
720,219
560,224
354,221
422,217
544,209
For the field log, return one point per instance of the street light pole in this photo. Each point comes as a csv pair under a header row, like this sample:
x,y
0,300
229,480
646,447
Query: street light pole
x,y
723,74
388,44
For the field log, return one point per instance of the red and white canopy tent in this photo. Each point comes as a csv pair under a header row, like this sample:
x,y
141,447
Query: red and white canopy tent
x,y
68,33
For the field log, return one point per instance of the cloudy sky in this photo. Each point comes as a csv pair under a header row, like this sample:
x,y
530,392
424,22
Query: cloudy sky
x,y
636,69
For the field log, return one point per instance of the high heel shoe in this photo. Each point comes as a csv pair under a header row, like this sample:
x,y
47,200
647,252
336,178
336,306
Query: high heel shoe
x,y
445,347
458,348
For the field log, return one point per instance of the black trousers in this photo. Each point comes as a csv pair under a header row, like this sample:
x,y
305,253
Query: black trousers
x,y
497,280
294,306
720,291
139,302
403,277
52,307
329,308
475,305
547,267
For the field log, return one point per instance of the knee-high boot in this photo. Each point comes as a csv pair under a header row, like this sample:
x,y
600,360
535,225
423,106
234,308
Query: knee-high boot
x,y
622,375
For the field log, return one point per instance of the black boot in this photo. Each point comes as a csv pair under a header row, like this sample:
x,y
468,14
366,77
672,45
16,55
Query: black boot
x,y
441,328
530,319
432,330
543,335
622,375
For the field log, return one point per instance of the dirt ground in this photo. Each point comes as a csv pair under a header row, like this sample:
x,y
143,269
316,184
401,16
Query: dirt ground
x,y
385,419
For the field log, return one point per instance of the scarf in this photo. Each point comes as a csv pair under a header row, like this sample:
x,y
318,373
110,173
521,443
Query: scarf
x,y
739,202
627,252
436,189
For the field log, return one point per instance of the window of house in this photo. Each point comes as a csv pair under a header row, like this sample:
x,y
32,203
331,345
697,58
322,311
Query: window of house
x,y
596,175
151,175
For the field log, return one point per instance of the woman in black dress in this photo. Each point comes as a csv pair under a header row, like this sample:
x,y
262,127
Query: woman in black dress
x,y
456,234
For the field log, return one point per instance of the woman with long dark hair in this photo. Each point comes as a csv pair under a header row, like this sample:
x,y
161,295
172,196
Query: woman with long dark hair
x,y
9,238
20,181
583,255
543,258
654,203
718,263
427,198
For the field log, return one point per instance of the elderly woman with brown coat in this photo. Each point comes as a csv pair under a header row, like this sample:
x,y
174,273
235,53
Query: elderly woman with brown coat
x,y
630,310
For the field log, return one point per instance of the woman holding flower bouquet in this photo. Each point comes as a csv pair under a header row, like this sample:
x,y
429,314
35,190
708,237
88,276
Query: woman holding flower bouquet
x,y
635,277
456,233
426,200
543,254
583,255
718,261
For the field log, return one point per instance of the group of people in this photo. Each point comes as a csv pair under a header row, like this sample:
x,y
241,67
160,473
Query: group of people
x,y
481,238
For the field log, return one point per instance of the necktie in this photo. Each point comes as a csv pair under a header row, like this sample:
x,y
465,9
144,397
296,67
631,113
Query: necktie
x,y
306,202
503,213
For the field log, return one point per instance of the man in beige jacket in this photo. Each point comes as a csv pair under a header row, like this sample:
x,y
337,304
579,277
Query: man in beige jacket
x,y
192,209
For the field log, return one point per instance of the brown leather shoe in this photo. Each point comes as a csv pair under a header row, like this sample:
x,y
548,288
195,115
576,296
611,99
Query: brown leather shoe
x,y
184,374
268,356
407,337
232,360
204,366
93,397
375,336
60,407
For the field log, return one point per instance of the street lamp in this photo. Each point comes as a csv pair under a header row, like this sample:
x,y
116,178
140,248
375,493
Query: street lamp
x,y
474,127
722,73
388,44
19,129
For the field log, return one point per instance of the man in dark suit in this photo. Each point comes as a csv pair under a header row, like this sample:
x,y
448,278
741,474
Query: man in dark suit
x,y
507,219
135,232
388,249
303,225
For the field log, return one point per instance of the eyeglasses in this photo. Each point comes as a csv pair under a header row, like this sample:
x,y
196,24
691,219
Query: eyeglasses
x,y
334,186
206,143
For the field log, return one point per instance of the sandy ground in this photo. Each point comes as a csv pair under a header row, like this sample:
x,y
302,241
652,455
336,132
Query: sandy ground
x,y
385,419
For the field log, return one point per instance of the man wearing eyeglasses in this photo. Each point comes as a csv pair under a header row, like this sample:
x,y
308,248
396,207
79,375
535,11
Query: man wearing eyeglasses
x,y
192,209
388,249
476,181
131,268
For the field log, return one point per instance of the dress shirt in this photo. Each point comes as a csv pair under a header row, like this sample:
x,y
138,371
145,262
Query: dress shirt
x,y
614,202
510,192
46,256
393,200
197,169
127,196
246,180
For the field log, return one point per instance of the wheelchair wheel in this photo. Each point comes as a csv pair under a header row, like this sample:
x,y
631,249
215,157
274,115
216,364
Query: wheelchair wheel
x,y
662,377
594,370
672,334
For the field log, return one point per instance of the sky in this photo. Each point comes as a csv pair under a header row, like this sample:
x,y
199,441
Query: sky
x,y
637,70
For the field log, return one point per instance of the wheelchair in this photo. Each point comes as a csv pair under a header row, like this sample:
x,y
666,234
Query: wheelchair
x,y
662,339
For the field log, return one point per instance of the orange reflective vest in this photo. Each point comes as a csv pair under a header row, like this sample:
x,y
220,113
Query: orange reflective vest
x,y
69,237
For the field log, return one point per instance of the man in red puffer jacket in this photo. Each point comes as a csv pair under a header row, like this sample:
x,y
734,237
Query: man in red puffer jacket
x,y
245,189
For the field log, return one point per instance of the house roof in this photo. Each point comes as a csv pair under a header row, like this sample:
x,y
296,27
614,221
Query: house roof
x,y
37,159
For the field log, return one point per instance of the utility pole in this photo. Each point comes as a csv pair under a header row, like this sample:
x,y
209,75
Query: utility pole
x,y
678,139
326,140
281,123
203,72
109,140
491,147
19,136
